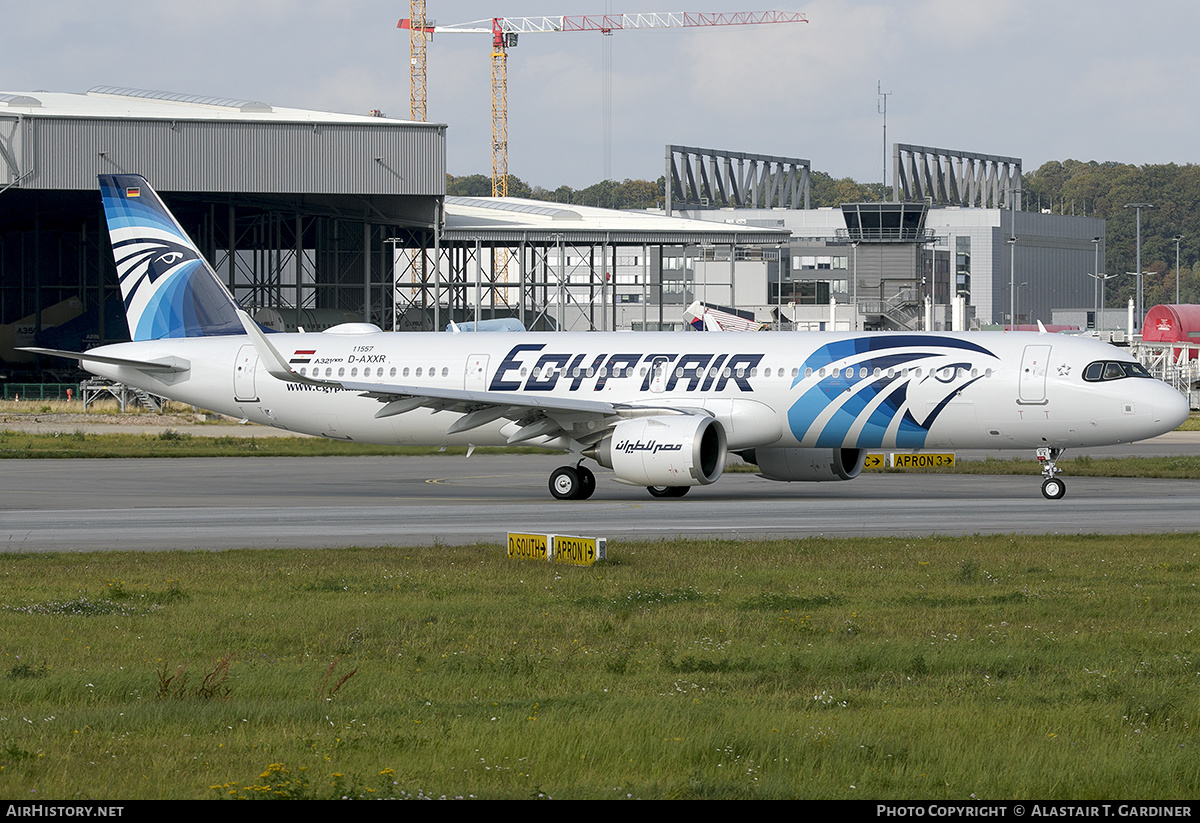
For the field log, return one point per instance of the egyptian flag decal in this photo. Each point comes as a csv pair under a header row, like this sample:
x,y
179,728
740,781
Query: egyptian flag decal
x,y
302,356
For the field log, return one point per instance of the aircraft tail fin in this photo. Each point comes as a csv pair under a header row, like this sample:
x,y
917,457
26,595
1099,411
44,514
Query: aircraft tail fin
x,y
170,290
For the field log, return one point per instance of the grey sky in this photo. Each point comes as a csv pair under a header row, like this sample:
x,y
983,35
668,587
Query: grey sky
x,y
1038,80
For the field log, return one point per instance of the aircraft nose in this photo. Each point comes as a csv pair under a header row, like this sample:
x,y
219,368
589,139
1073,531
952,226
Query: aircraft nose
x,y
1170,408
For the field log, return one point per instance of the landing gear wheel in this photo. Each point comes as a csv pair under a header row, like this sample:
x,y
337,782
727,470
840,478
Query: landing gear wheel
x,y
667,491
587,483
565,483
1053,488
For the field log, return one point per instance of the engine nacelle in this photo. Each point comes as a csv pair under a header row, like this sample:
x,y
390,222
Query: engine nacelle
x,y
671,450
807,465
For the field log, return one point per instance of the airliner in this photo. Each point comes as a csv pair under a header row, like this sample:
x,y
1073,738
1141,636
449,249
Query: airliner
x,y
660,410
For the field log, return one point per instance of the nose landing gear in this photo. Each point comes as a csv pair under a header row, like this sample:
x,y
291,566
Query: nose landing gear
x,y
1052,487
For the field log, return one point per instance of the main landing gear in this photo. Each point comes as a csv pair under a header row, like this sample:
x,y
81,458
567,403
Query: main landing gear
x,y
1052,487
572,483
578,483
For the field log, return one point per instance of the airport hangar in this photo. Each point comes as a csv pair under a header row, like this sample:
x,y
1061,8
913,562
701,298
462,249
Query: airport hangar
x,y
292,207
299,211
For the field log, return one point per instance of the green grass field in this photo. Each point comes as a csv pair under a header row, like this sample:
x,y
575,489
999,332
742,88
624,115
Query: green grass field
x,y
175,443
990,667
184,443
172,443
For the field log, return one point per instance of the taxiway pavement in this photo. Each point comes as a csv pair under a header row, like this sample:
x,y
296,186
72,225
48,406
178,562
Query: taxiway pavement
x,y
222,503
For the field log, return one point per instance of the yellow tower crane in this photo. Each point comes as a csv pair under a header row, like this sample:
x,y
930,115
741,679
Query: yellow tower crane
x,y
504,31
418,33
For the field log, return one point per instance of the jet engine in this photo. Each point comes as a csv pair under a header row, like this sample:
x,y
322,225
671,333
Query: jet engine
x,y
809,465
669,450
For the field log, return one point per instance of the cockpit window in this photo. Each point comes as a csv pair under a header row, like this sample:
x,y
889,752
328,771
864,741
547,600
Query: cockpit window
x,y
1113,370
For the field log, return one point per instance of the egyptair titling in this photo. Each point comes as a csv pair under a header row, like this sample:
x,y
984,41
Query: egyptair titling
x,y
660,410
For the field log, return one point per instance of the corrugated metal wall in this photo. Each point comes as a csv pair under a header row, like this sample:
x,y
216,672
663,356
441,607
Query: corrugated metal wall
x,y
251,157
344,187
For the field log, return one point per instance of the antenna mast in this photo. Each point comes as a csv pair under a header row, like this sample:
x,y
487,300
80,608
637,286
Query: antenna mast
x,y
881,106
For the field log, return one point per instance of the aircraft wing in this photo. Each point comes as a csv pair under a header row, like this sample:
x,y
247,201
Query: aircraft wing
x,y
582,420
485,398
536,416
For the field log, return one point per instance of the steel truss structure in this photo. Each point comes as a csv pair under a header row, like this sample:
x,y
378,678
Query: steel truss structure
x,y
550,277
505,32
1175,363
295,261
545,285
712,178
283,256
955,178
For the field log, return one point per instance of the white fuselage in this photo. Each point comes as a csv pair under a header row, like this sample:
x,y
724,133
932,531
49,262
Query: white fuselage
x,y
786,389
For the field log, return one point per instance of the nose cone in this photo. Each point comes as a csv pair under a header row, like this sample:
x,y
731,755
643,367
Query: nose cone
x,y
1170,408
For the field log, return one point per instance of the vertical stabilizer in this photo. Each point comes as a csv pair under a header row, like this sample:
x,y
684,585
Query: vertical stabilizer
x,y
169,288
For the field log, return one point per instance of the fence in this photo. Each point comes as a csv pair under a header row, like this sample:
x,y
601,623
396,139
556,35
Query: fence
x,y
39,391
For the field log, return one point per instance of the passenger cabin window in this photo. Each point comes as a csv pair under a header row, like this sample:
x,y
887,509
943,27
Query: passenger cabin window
x,y
1113,370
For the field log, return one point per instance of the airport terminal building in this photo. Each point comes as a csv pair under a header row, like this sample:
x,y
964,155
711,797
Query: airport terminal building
x,y
954,229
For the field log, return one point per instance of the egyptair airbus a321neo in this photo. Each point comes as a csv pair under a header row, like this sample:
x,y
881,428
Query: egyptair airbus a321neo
x,y
660,410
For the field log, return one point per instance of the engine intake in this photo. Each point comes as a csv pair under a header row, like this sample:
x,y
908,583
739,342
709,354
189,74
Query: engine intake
x,y
671,450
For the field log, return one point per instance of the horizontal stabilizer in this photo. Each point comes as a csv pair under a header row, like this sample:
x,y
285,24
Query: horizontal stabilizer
x,y
159,364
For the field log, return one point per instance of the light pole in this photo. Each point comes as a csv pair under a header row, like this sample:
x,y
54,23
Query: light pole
x,y
1104,278
854,290
1138,306
1012,259
1138,208
1177,238
1100,279
1012,283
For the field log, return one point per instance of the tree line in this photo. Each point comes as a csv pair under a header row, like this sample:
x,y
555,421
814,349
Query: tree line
x,y
646,194
1070,187
1103,190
